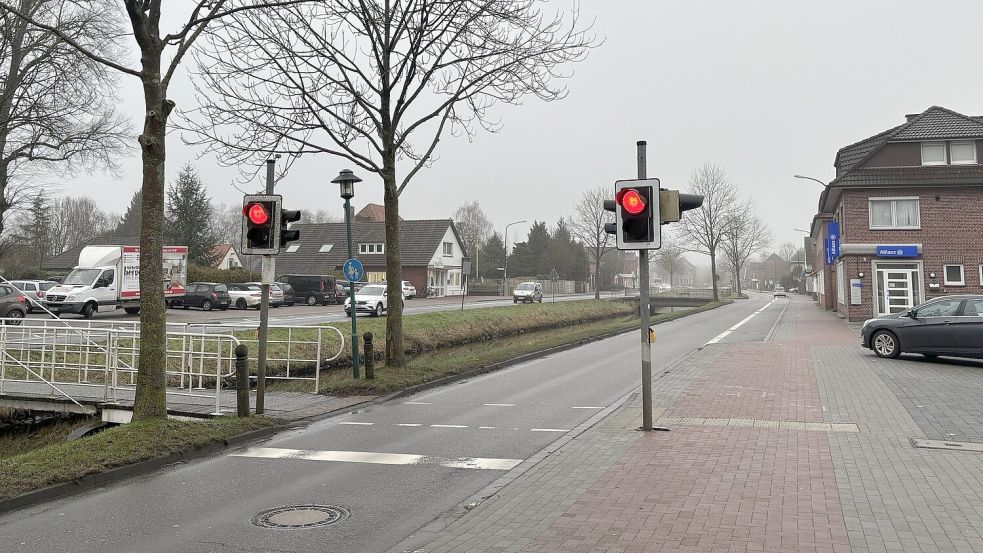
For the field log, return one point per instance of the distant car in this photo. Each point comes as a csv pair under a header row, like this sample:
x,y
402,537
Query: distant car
x,y
33,290
372,298
13,305
312,289
780,291
276,294
289,297
206,295
409,291
244,296
528,292
949,325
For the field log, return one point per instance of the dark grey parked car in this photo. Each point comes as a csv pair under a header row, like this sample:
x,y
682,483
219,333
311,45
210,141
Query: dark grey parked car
x,y
13,304
950,325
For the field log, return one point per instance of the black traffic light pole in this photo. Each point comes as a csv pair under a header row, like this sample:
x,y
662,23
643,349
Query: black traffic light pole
x,y
643,306
264,309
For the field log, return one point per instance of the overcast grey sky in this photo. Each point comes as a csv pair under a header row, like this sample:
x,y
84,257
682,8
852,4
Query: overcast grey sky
x,y
765,89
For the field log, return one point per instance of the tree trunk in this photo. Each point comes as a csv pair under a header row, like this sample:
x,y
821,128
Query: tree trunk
x,y
151,399
395,356
597,275
713,274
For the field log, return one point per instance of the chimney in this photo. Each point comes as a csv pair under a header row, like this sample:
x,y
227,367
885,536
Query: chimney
x,y
911,117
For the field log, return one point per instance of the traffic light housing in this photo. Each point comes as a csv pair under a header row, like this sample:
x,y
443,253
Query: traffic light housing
x,y
673,205
260,224
287,235
635,204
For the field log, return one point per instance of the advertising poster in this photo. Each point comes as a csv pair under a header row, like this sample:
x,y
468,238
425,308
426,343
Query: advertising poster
x,y
175,272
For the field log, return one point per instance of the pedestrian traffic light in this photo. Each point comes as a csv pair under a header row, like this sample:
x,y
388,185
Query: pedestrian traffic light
x,y
260,229
635,204
287,235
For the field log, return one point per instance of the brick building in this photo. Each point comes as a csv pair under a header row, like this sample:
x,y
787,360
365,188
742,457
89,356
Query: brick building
x,y
908,207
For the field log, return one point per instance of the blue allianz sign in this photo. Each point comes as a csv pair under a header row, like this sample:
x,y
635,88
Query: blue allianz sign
x,y
828,250
833,233
897,251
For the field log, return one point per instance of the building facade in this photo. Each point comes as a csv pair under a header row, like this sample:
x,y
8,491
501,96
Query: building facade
x,y
902,222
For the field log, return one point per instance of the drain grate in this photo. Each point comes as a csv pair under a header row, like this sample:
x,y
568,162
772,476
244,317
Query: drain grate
x,y
299,516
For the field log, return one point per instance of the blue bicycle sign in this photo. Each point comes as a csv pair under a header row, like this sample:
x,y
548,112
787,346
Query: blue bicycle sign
x,y
353,270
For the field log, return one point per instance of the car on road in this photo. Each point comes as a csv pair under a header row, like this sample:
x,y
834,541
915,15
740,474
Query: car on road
x,y
528,292
948,325
33,290
206,295
289,296
276,294
244,296
780,291
409,291
312,289
13,305
372,298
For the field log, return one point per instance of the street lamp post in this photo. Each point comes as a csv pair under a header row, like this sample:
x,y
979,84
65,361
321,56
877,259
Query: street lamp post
x,y
346,180
505,277
812,179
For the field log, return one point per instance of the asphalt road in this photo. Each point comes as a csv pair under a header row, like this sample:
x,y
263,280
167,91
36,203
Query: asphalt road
x,y
394,466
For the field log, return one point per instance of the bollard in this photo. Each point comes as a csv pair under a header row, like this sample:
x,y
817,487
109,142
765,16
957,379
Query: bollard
x,y
368,356
242,381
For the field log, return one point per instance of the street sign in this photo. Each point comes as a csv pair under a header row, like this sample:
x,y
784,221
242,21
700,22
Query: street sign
x,y
554,275
465,266
897,251
353,270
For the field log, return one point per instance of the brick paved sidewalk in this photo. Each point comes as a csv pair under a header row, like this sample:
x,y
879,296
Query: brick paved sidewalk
x,y
797,443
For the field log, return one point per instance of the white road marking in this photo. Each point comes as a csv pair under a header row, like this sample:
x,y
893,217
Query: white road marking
x,y
498,404
485,463
357,423
408,424
587,408
549,430
448,426
727,332
417,403
487,427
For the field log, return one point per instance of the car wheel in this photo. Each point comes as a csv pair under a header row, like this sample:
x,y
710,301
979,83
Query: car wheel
x,y
378,310
241,304
14,317
311,300
206,305
88,310
886,344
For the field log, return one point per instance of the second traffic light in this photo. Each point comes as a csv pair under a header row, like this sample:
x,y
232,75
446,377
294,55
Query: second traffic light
x,y
287,235
636,207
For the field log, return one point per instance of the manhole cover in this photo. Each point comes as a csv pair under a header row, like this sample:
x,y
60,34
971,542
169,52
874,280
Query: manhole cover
x,y
299,516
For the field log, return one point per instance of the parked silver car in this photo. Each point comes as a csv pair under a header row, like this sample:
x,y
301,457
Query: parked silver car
x,y
33,290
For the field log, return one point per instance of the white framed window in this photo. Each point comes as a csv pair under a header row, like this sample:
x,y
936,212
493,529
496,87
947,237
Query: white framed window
x,y
371,248
962,152
292,248
325,248
953,275
933,153
448,249
894,213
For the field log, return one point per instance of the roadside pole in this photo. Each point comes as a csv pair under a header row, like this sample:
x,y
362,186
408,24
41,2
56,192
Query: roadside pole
x,y
264,309
643,306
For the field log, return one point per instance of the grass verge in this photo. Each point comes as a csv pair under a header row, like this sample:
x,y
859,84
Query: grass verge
x,y
116,447
442,363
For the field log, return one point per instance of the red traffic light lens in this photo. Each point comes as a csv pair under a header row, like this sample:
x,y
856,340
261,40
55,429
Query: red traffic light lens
x,y
631,201
257,214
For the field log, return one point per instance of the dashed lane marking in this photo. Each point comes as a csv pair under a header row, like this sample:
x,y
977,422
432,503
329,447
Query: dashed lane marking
x,y
727,332
481,463
498,404
549,430
409,424
357,423
448,426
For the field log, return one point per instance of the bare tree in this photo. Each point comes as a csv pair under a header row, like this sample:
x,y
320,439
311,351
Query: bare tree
x,y
746,235
227,220
474,227
587,225
378,84
787,251
669,258
56,105
76,221
321,216
155,74
703,228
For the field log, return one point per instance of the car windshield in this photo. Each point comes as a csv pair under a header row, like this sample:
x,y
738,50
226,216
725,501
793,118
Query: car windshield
x,y
82,276
526,286
372,291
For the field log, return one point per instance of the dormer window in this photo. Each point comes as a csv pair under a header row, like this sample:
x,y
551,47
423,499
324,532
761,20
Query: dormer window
x,y
962,153
933,153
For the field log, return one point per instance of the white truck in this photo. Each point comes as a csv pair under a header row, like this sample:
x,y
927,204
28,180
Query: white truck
x,y
108,278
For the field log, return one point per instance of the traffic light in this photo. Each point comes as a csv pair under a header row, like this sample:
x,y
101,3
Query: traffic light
x,y
635,204
260,229
673,204
287,235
